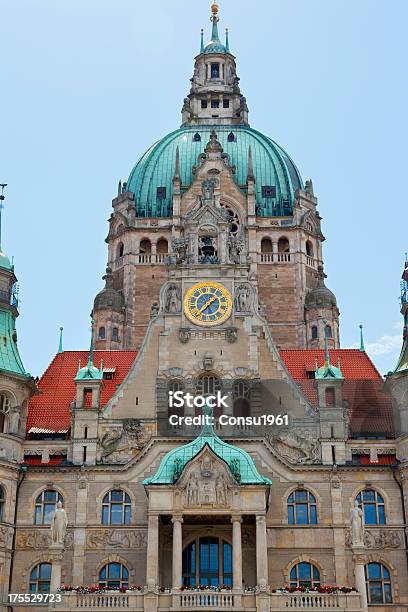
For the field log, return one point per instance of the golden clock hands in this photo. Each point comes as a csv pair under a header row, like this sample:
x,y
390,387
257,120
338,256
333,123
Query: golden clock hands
x,y
210,301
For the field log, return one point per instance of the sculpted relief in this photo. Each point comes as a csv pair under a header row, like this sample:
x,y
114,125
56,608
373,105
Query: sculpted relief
x,y
206,484
119,445
100,539
377,539
295,448
38,539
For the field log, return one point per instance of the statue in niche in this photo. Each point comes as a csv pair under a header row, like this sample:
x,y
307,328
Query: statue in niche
x,y
173,300
59,523
357,524
220,491
180,249
242,299
154,310
193,490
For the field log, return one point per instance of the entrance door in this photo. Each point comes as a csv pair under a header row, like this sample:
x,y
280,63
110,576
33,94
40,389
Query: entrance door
x,y
207,562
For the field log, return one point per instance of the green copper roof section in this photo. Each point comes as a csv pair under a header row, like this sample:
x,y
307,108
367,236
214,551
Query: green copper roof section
x,y
5,263
10,360
272,167
239,461
89,372
328,370
402,365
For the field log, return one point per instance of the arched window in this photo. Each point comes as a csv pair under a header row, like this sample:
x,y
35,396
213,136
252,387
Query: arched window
x,y
378,582
266,245
162,246
2,504
116,508
315,332
328,331
121,249
4,409
45,506
232,137
241,393
309,248
115,334
304,575
102,333
283,245
173,387
208,562
145,246
196,137
372,504
302,508
208,384
40,578
114,576
330,397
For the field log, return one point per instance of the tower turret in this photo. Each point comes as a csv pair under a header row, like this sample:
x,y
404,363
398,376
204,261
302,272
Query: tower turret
x,y
215,97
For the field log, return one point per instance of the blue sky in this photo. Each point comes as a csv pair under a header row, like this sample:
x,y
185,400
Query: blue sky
x,y
87,86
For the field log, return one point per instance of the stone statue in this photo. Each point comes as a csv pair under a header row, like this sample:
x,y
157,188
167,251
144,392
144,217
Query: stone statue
x,y
59,523
220,491
242,299
357,525
154,310
173,300
193,490
180,249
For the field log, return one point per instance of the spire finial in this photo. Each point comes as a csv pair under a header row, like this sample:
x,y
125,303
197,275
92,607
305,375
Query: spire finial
x,y
2,198
177,168
90,360
326,345
60,349
202,41
215,19
250,164
227,40
362,347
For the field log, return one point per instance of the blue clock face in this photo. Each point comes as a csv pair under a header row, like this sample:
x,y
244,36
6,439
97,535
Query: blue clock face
x,y
208,304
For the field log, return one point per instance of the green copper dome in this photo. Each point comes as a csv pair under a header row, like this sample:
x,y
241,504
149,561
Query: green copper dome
x,y
5,262
151,180
239,461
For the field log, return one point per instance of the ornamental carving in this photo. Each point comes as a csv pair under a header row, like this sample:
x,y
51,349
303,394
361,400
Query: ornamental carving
x,y
37,539
121,444
243,298
377,539
116,538
5,536
206,483
295,448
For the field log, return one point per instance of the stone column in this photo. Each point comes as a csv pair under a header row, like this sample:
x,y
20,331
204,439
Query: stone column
x,y
261,553
236,552
177,551
57,556
152,563
359,561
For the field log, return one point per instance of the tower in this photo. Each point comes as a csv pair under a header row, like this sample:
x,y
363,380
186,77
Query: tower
x,y
16,387
267,224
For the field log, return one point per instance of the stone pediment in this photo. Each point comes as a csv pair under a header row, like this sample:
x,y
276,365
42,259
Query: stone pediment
x,y
206,481
208,214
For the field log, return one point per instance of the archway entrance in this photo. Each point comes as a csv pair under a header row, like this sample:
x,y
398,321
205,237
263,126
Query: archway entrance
x,y
207,561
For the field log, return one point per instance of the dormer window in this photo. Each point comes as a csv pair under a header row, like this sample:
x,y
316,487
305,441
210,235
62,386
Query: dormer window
x,y
215,103
215,71
196,137
268,191
232,137
161,193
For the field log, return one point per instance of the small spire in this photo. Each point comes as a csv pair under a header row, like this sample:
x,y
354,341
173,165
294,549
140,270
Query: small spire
x,y
362,347
202,41
177,168
215,19
251,175
119,188
90,360
227,40
2,198
60,349
326,345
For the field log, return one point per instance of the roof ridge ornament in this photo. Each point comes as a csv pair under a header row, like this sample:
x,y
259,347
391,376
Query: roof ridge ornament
x,y
60,349
362,347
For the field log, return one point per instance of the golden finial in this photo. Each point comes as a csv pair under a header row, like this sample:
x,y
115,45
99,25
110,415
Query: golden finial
x,y
215,8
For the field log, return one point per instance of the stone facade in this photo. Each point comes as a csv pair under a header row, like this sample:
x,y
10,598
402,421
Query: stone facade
x,y
112,434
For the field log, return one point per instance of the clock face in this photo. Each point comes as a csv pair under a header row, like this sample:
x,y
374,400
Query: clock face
x,y
208,304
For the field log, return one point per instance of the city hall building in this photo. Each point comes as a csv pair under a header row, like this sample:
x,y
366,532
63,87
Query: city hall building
x,y
214,283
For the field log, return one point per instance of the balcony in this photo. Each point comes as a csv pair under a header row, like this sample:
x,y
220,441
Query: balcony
x,y
276,258
217,601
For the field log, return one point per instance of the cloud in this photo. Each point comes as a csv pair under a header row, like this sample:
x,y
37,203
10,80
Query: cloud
x,y
385,345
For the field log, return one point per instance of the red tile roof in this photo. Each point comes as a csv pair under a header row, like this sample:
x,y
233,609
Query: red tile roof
x,y
51,408
370,409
